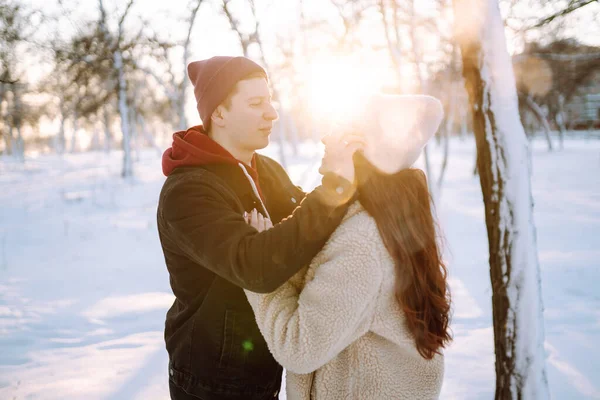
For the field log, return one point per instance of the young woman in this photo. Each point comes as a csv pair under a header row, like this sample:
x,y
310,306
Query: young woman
x,y
368,319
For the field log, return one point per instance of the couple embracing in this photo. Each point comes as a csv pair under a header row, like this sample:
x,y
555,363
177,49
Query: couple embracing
x,y
344,286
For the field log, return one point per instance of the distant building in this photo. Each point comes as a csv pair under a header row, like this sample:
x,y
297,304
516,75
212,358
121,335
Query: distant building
x,y
583,111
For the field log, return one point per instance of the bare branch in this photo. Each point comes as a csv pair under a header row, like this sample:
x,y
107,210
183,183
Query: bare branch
x,y
573,5
122,20
191,25
394,48
235,27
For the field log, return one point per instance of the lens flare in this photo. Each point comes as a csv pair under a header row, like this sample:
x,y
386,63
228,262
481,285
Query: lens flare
x,y
338,88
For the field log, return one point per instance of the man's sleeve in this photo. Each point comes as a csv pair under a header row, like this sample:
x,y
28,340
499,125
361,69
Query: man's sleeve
x,y
210,232
307,328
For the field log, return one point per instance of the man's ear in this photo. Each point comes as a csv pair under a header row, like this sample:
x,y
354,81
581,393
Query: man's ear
x,y
218,116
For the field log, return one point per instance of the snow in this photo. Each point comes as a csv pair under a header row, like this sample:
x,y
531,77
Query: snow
x,y
84,289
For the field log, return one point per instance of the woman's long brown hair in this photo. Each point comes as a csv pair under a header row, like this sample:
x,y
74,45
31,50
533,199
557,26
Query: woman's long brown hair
x,y
401,206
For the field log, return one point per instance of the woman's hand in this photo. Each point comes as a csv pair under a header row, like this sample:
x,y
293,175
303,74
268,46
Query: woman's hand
x,y
256,219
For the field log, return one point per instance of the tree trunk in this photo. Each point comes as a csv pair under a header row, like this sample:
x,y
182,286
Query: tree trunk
x,y
421,81
560,121
61,140
75,129
108,138
148,135
9,139
539,114
504,171
446,138
124,114
134,133
18,123
95,141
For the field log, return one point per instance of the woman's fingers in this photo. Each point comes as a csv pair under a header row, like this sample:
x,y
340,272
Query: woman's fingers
x,y
268,224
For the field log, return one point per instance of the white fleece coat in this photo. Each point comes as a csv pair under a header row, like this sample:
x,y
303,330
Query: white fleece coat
x,y
337,328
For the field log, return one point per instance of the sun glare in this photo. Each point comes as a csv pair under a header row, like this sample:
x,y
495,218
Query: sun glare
x,y
338,87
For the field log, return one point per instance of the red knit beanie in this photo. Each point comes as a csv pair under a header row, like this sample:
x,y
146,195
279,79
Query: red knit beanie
x,y
214,78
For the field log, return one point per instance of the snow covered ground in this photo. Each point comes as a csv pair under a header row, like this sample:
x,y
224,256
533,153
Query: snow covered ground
x,y
84,290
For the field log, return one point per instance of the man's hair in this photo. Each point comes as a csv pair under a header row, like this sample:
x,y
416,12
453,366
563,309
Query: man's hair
x,y
227,102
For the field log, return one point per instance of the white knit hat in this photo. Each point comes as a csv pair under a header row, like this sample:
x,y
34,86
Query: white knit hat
x,y
398,129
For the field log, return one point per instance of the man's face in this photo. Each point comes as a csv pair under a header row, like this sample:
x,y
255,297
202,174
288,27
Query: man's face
x,y
249,119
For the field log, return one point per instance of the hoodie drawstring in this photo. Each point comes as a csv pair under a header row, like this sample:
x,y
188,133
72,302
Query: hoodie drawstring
x,y
254,188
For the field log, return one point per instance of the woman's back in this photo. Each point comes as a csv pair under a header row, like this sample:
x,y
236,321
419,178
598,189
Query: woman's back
x,y
381,360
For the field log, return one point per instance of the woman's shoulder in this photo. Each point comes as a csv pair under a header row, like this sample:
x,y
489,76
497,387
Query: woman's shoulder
x,y
357,226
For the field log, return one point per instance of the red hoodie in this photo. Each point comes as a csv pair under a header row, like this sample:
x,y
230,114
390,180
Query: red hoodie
x,y
194,147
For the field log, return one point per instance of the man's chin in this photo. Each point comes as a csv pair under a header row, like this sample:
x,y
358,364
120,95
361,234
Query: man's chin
x,y
262,145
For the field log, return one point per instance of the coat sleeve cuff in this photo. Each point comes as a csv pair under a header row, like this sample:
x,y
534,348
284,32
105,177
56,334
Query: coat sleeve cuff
x,y
337,190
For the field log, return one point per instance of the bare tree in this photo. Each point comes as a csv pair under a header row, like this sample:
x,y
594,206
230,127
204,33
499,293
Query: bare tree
x,y
504,171
121,86
186,57
15,29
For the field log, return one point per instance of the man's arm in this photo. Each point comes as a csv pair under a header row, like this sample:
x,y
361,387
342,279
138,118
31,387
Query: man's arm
x,y
307,328
211,233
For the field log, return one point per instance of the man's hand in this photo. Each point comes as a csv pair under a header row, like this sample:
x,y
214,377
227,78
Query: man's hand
x,y
256,219
342,163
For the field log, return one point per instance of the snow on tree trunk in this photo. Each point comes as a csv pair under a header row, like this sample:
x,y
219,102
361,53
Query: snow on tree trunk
x,y
124,115
504,171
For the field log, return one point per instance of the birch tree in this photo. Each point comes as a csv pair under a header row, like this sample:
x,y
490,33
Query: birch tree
x,y
121,84
504,171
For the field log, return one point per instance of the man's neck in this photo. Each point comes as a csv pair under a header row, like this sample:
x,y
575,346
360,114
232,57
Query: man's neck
x,y
241,155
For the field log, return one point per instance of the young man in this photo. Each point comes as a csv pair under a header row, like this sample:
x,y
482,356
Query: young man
x,y
214,179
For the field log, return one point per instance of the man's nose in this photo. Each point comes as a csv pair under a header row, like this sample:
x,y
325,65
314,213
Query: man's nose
x,y
271,114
